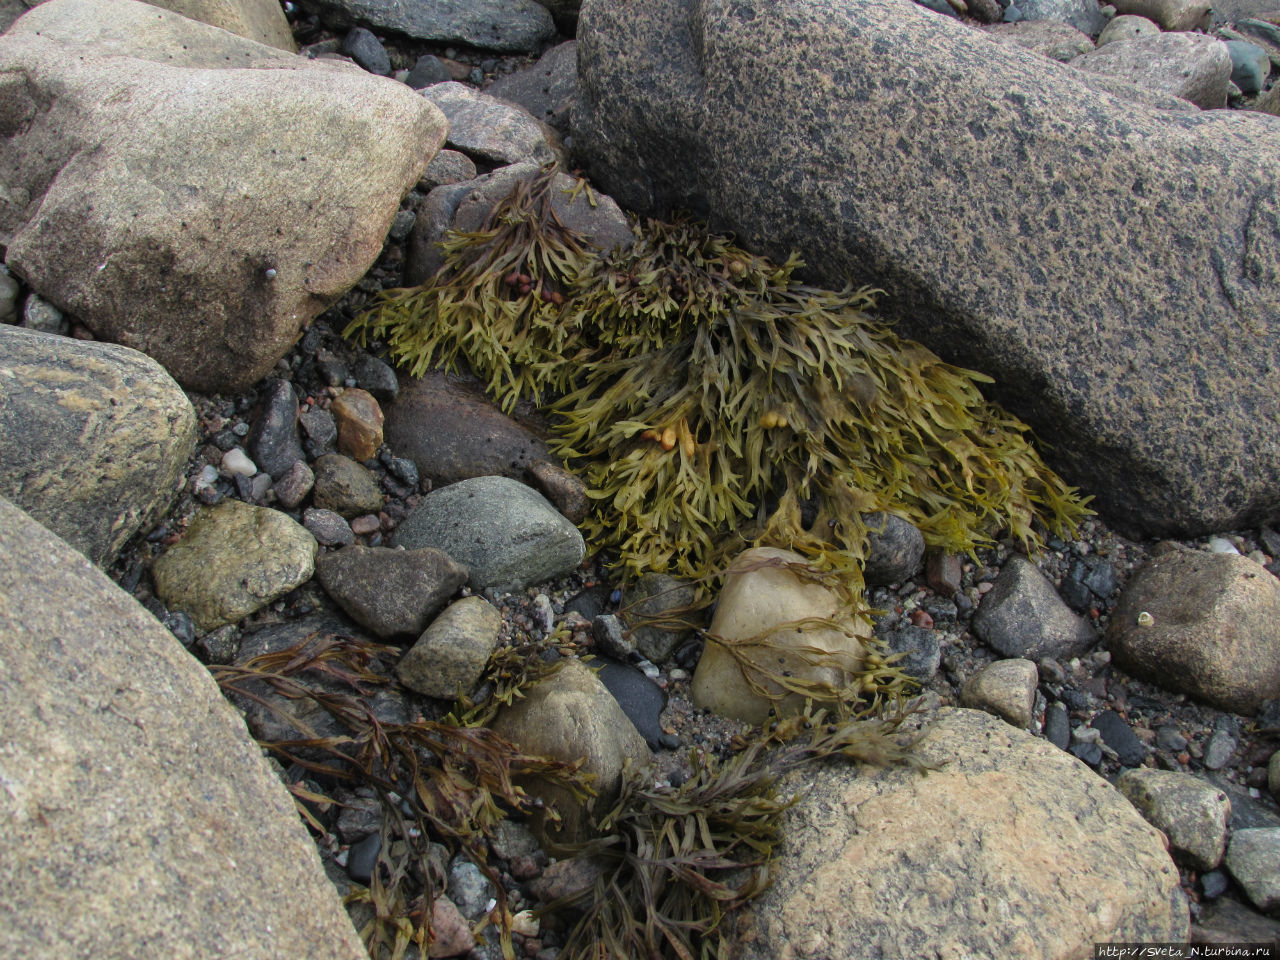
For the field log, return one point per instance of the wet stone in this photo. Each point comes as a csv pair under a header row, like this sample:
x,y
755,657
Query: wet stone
x,y
1117,735
363,857
273,440
921,648
640,698
345,487
1057,726
894,552
1023,616
321,431
376,377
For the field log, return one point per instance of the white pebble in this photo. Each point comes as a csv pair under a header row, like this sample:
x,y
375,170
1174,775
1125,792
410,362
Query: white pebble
x,y
525,924
545,613
236,461
206,478
1222,545
678,674
1084,734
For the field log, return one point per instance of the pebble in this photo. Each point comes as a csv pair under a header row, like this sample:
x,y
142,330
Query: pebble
x,y
9,290
638,696
292,488
1218,750
364,48
359,420
1057,726
39,314
321,431
236,462
372,374
469,889
365,525
363,857
1117,735
1222,545
427,70
329,529
273,439
1253,859
345,487
610,637
1090,753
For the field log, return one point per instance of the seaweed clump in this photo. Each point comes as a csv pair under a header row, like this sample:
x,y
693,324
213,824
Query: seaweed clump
x,y
711,400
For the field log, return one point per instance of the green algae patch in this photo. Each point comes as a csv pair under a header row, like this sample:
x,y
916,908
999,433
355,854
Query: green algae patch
x,y
712,401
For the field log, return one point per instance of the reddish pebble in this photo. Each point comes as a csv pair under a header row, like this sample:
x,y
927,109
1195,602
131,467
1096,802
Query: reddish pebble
x,y
921,618
1184,758
363,526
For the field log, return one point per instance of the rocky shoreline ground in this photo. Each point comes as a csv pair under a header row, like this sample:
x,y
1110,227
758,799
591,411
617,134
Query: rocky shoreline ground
x,y
331,457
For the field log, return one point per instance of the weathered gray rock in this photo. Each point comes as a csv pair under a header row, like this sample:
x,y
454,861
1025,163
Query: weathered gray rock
x,y
447,166
567,716
9,291
345,487
292,488
451,653
895,549
1008,849
788,131
759,599
1192,813
1127,27
1023,616
488,129
233,559
1253,858
390,592
921,653
1226,922
329,528
1250,65
1192,66
93,438
507,25
1209,629
546,89
505,533
656,609
191,193
40,315
1081,14
1006,688
1176,15
1049,38
140,819
465,206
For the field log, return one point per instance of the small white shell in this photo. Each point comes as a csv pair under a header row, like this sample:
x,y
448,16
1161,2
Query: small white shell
x,y
1145,619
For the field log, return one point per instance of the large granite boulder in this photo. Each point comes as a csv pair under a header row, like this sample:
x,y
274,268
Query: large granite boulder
x,y
192,193
261,20
1010,848
1114,266
93,438
140,818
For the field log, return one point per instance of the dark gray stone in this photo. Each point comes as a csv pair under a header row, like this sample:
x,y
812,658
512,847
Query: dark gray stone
x,y
505,533
365,49
363,857
376,377
657,608
1084,15
427,70
321,430
329,528
641,699
546,89
895,550
1023,616
787,130
1057,726
920,649
1089,753
1117,735
517,26
390,592
273,441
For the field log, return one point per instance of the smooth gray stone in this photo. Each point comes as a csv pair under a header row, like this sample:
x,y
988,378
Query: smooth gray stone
x,y
517,26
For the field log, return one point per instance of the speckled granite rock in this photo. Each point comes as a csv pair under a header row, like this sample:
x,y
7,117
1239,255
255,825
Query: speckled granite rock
x,y
508,25
1192,812
1009,849
1006,688
134,141
233,559
1192,66
821,131
1023,616
487,129
140,818
451,653
390,592
1209,630
93,438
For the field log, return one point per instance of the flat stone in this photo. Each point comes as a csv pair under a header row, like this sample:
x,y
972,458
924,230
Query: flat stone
x,y
488,129
1209,629
547,89
1006,849
1194,67
292,488
1023,616
567,716
273,440
510,26
1006,688
346,487
451,654
140,818
505,533
895,549
759,595
389,592
359,420
682,105
1253,859
1193,814
118,186
94,438
1173,15
233,559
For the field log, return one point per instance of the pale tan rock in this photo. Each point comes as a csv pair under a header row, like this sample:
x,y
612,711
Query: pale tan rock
x,y
1006,688
1172,15
234,559
1193,813
93,438
1009,849
1127,27
760,598
451,653
260,20
567,716
1209,631
140,819
359,420
189,192
452,932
